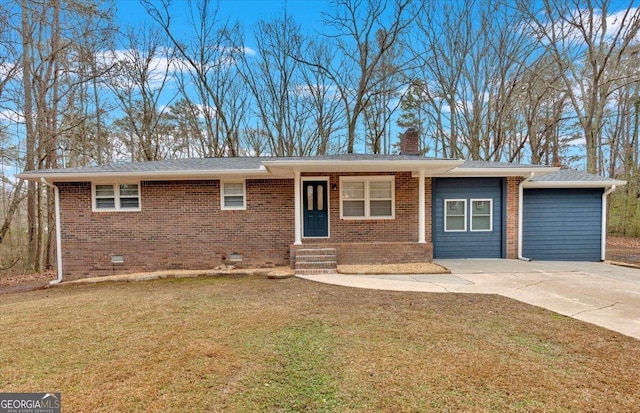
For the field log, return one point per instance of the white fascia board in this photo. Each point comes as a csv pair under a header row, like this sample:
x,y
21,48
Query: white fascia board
x,y
287,166
573,184
144,176
497,172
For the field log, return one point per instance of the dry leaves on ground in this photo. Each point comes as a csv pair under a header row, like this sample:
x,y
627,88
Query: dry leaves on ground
x,y
623,249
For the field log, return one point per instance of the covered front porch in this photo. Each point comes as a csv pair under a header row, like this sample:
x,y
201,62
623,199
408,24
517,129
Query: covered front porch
x,y
364,211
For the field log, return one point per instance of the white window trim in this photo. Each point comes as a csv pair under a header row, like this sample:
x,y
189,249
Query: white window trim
x,y
490,201
464,201
367,198
244,195
116,195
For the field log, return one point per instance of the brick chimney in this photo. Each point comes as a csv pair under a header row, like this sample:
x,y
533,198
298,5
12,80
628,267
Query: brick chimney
x,y
410,142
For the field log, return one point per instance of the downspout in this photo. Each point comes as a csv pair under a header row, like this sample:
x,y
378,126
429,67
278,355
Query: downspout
x,y
603,242
56,193
520,215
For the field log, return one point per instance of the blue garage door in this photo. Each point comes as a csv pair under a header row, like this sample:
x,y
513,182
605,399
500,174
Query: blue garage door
x,y
468,219
562,224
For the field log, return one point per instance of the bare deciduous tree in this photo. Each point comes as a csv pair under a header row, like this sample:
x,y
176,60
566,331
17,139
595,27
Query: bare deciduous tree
x,y
472,57
209,56
276,82
143,68
354,26
588,45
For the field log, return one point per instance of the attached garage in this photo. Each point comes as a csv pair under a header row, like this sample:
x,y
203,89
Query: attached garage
x,y
468,218
560,214
564,216
562,224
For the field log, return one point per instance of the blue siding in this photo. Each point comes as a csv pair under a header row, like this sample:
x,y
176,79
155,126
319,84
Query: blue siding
x,y
468,244
562,224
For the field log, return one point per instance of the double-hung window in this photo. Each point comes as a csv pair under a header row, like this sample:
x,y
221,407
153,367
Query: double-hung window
x,y
233,195
116,197
481,215
370,197
455,215
480,212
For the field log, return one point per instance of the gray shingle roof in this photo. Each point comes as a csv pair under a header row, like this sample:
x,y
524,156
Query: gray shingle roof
x,y
570,175
255,165
218,164
191,164
487,164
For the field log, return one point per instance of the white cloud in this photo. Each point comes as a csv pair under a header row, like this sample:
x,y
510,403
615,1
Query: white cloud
x,y
306,90
204,109
614,21
158,67
10,69
248,51
11,116
569,27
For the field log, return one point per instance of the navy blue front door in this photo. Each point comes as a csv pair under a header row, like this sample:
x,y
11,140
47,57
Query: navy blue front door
x,y
315,209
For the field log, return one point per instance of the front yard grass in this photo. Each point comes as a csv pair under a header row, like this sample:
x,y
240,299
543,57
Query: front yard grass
x,y
239,344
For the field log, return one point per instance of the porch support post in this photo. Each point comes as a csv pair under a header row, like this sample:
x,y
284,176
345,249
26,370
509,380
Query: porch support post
x,y
421,210
298,209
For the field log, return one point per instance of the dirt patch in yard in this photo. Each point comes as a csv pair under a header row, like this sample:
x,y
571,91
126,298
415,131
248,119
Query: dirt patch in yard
x,y
408,268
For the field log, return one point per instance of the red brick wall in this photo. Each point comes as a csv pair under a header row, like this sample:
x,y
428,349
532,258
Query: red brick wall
x,y
512,216
403,228
374,252
181,225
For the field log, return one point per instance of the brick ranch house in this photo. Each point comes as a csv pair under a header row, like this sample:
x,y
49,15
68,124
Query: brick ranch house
x,y
307,211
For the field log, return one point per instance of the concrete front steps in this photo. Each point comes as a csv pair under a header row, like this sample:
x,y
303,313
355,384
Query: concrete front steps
x,y
314,261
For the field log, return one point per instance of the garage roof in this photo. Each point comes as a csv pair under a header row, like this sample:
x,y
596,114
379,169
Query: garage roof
x,y
569,178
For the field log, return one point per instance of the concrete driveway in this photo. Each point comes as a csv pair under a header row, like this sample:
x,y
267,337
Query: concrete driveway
x,y
602,294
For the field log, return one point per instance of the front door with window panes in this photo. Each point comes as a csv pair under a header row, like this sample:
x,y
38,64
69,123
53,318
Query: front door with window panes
x,y
315,209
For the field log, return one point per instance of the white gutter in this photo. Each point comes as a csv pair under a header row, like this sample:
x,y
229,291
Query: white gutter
x,y
56,192
603,245
520,215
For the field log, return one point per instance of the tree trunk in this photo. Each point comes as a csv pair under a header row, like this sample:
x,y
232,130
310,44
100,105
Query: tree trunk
x,y
27,38
52,141
13,207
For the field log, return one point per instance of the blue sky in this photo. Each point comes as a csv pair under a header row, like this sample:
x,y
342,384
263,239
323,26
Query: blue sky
x,y
306,12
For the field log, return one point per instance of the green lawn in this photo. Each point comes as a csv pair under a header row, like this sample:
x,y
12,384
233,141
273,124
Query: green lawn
x,y
253,344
